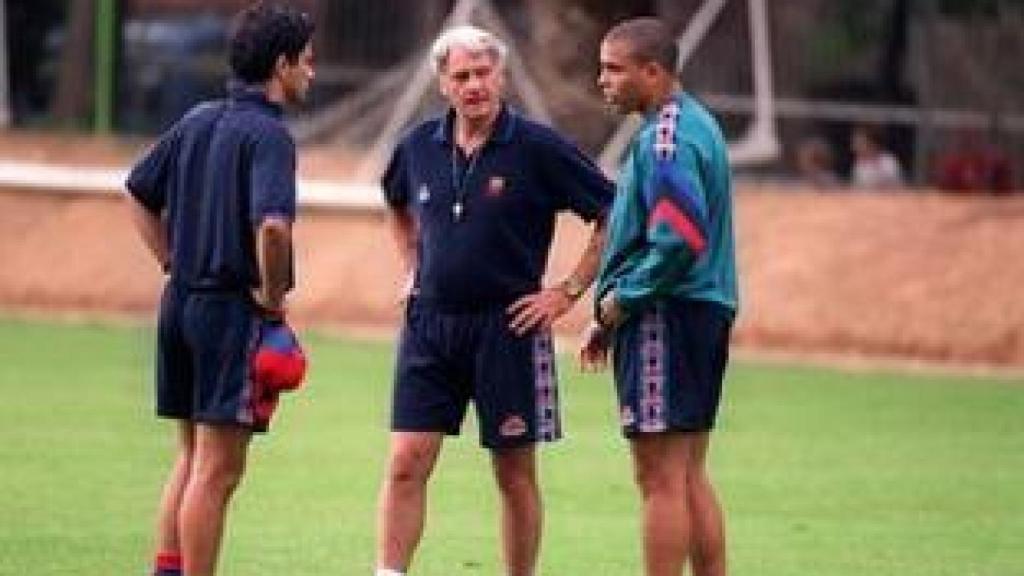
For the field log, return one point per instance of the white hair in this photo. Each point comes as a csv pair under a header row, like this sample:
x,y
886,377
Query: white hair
x,y
469,38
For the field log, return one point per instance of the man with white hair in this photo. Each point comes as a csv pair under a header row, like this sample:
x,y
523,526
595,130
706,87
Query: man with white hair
x,y
473,197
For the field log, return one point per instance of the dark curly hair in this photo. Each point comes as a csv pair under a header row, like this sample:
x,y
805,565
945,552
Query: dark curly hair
x,y
263,32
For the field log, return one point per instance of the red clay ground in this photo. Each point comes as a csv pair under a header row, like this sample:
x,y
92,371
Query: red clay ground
x,y
912,275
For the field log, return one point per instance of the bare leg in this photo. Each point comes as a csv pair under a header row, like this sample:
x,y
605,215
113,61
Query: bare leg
x,y
705,515
403,497
170,501
217,468
662,465
515,471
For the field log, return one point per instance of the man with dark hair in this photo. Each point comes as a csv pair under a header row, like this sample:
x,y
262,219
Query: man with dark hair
x,y
473,198
213,201
666,297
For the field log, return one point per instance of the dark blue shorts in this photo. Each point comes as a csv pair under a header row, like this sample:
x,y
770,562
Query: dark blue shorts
x,y
205,343
669,364
447,359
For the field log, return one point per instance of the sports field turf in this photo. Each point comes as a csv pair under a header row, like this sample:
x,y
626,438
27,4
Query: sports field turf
x,y
822,472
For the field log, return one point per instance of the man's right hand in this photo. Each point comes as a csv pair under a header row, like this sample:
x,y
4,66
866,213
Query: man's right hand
x,y
594,344
267,309
408,288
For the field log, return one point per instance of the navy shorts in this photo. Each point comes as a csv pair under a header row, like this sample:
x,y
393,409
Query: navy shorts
x,y
447,359
205,343
669,364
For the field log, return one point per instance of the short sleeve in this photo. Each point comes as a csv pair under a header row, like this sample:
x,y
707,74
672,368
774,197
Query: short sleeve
x,y
147,181
395,181
578,183
273,177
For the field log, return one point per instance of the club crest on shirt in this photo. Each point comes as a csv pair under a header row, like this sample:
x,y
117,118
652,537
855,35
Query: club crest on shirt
x,y
513,426
423,195
495,186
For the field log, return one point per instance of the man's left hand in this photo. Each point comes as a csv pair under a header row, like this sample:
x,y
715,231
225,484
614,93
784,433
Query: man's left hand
x,y
594,343
611,314
539,309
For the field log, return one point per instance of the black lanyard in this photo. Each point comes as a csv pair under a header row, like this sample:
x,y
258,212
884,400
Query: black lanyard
x,y
460,185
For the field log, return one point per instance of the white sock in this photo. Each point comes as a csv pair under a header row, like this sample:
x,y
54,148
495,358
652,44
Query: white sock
x,y
389,572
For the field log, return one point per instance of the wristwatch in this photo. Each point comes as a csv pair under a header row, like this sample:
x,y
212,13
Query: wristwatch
x,y
609,314
572,287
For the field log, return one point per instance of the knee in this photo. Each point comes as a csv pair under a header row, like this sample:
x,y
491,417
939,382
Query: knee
x,y
698,482
659,480
183,463
516,483
185,458
515,475
408,468
220,476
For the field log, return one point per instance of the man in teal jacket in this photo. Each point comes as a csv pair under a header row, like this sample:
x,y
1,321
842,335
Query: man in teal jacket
x,y
666,296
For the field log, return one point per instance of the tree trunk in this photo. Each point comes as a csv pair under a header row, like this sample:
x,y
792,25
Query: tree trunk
x,y
74,93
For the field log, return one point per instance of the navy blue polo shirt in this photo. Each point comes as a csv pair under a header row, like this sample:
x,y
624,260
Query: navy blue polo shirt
x,y
495,249
217,173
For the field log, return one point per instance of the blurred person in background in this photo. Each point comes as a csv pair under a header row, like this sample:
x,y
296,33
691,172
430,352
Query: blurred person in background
x,y
815,163
874,167
974,165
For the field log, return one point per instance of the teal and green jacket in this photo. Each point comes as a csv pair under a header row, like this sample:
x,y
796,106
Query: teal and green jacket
x,y
670,231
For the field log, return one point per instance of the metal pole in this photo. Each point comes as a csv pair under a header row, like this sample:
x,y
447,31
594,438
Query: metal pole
x,y
5,86
106,21
923,145
696,30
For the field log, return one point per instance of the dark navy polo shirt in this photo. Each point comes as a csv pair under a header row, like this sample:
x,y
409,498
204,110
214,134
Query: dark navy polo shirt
x,y
223,168
497,250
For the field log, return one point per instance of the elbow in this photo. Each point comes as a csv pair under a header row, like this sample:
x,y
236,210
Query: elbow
x,y
275,235
400,217
276,228
140,208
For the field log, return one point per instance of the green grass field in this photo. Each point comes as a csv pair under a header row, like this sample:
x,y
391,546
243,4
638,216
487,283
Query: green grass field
x,y
822,472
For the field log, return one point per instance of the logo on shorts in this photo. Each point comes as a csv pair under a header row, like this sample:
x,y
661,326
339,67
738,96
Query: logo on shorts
x,y
513,427
626,416
495,186
424,194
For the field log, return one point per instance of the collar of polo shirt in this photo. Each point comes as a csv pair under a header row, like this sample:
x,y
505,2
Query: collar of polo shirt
x,y
504,127
239,91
